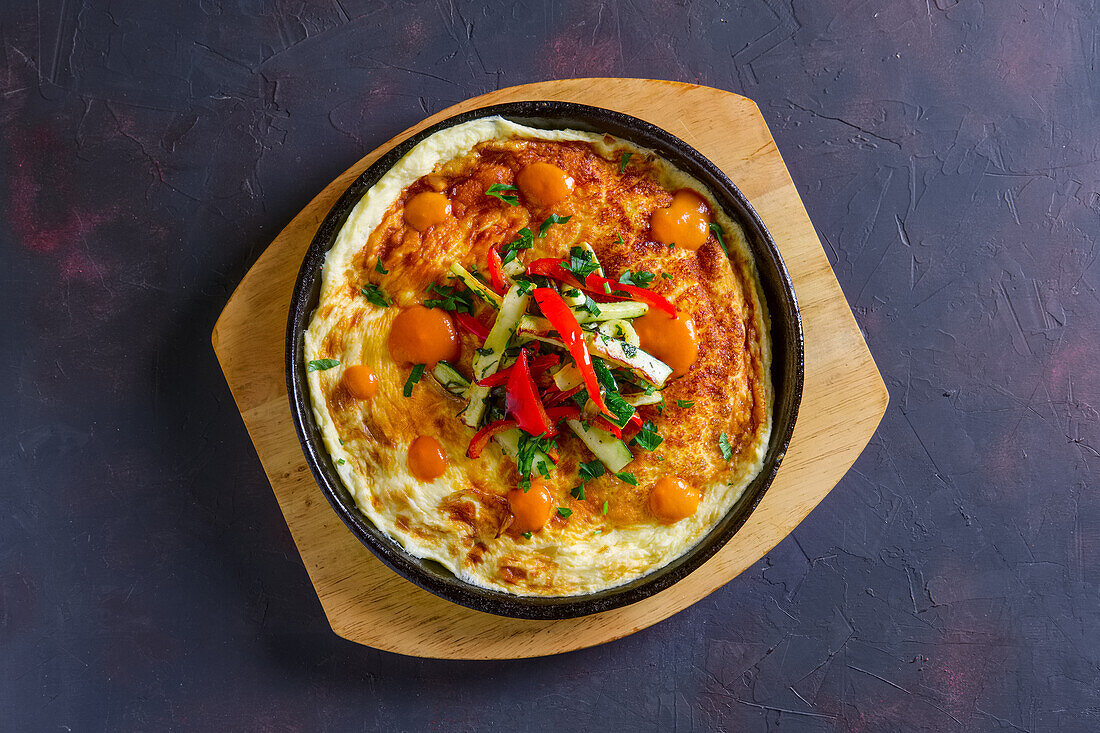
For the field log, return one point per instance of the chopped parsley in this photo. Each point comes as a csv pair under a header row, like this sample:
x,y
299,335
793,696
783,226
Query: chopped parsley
x,y
724,445
590,305
340,461
685,403
379,268
582,263
320,365
497,190
376,295
630,350
528,450
641,278
414,377
627,478
717,232
564,511
666,276
550,221
525,239
605,507
619,238
623,161
647,437
590,470
578,492
527,535
451,298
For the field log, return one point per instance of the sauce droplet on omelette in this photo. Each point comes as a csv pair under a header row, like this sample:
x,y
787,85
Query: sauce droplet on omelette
x,y
672,499
425,210
672,340
686,223
361,382
544,183
531,509
427,461
423,336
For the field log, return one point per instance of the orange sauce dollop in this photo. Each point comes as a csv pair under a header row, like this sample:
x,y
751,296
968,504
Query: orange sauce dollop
x,y
544,183
531,509
426,209
423,336
426,461
672,499
686,223
361,382
672,340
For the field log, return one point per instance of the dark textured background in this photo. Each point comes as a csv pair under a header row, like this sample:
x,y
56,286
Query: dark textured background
x,y
948,152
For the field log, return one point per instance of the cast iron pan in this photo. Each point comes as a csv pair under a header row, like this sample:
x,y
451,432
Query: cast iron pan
x,y
787,365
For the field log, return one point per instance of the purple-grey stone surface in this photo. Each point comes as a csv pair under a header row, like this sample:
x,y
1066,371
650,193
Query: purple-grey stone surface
x,y
948,152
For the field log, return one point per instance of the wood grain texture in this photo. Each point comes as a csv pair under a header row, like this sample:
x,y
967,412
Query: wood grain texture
x,y
843,401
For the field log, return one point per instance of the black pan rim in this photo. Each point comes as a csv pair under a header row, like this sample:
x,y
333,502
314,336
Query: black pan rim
x,y
778,290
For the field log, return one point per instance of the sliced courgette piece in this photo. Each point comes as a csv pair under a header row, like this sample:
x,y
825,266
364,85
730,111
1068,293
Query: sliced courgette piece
x,y
611,451
487,358
475,286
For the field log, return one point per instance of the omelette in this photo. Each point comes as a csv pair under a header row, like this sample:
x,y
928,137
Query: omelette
x,y
541,358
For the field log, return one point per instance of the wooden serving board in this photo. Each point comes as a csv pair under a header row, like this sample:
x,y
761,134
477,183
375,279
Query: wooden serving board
x,y
843,401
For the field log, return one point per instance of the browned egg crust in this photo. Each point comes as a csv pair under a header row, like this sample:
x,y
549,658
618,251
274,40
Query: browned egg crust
x,y
726,384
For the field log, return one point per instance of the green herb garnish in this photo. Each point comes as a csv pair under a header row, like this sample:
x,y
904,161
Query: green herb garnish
x,y
590,470
525,239
590,305
605,507
647,437
320,365
496,190
685,403
623,161
340,461
550,221
527,535
564,511
717,232
578,492
451,298
414,377
379,269
582,263
630,350
666,276
641,278
619,238
724,445
627,478
376,295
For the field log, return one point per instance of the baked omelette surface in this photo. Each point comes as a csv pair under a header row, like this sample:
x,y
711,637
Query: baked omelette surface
x,y
400,440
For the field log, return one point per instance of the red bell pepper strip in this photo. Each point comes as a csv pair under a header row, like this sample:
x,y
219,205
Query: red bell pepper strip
x,y
565,323
472,325
555,396
496,272
522,400
595,284
481,437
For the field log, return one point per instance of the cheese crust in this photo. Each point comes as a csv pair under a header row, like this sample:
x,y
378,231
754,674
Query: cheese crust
x,y
459,518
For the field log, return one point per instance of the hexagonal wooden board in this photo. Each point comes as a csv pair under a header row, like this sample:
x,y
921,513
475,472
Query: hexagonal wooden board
x,y
843,401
